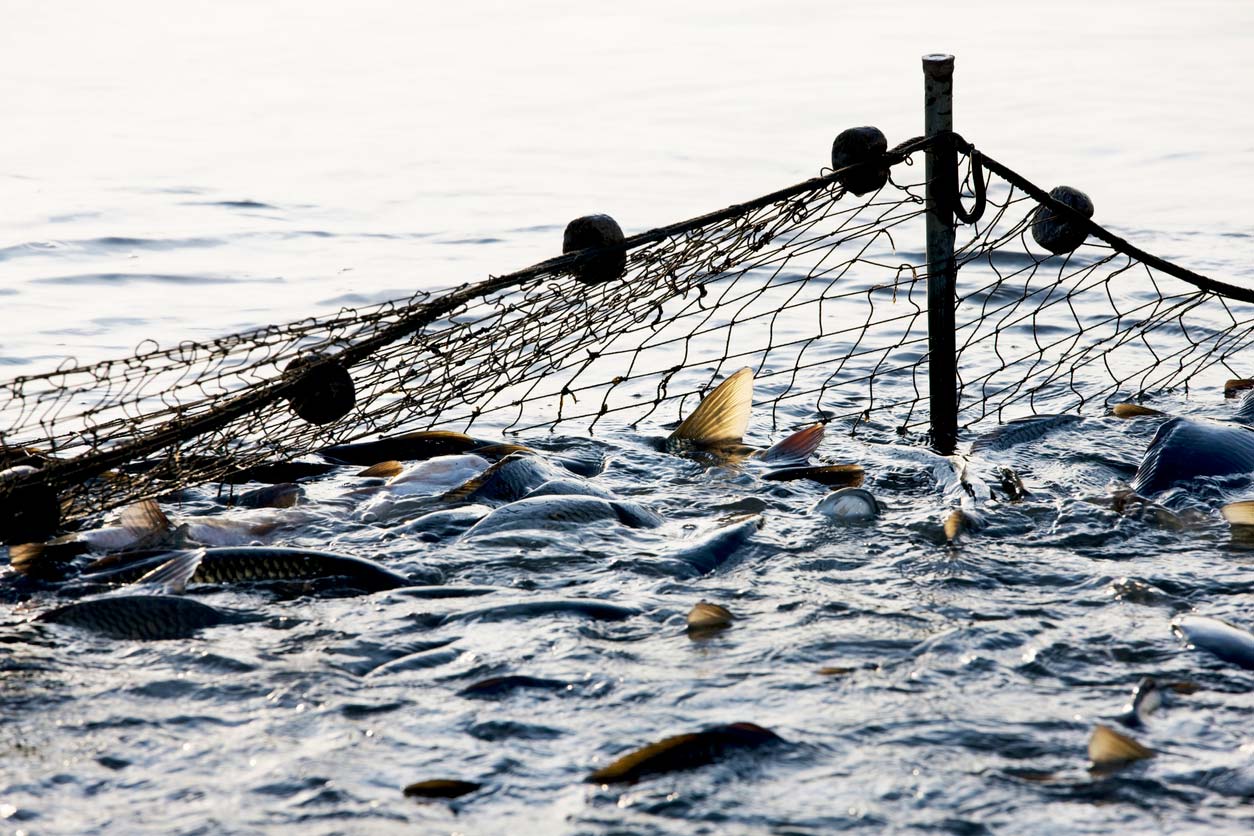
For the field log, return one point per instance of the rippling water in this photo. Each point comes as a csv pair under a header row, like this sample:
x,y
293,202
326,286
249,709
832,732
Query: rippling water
x,y
178,174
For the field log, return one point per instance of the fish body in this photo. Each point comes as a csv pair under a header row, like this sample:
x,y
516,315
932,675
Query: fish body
x,y
267,563
508,480
1146,699
848,505
438,474
570,487
559,513
712,550
419,488
587,607
423,444
683,751
1231,644
139,616
1186,448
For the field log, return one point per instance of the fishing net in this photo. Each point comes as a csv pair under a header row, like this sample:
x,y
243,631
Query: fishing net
x,y
821,291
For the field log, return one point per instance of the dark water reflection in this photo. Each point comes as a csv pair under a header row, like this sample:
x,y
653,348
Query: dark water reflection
x,y
958,690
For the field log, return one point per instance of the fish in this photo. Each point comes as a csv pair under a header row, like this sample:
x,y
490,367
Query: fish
x,y
497,686
1146,699
1109,749
718,425
1228,643
706,619
255,563
557,513
710,551
441,788
508,480
281,495
422,487
1021,431
570,487
147,617
848,505
411,446
832,475
141,527
720,419
447,522
1187,448
683,751
588,607
1135,410
1012,485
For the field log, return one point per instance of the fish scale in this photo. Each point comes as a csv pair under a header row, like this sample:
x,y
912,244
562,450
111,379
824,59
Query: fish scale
x,y
262,563
138,616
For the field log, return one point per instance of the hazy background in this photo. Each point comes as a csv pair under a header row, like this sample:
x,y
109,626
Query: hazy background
x,y
180,170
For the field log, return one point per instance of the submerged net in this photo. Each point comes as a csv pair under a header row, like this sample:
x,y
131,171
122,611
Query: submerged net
x,y
821,292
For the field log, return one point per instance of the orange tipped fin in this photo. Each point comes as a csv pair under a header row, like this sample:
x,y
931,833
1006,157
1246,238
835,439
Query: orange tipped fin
x,y
796,448
383,470
1133,410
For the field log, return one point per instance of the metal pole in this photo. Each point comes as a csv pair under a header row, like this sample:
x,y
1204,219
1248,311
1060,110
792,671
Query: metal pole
x,y
942,272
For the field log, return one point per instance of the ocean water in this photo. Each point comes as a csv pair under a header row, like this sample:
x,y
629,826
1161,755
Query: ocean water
x,y
184,172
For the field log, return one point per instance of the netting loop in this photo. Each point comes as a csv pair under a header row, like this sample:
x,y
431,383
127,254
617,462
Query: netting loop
x,y
978,186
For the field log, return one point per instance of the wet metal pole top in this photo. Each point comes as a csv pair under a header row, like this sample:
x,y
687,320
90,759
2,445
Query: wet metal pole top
x,y
942,185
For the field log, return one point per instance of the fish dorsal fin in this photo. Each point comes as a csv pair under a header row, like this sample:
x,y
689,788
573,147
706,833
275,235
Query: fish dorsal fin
x,y
1134,410
145,518
1108,747
474,483
174,574
796,448
724,414
707,616
383,470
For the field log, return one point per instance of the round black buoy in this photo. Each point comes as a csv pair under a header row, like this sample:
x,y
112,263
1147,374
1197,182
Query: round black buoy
x,y
325,391
1059,234
859,145
596,231
29,513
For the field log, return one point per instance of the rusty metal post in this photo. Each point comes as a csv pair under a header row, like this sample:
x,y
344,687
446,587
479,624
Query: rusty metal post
x,y
942,272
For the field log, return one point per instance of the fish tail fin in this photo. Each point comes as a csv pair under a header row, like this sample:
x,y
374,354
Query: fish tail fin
x,y
796,448
174,574
1108,748
383,470
44,561
722,416
1239,513
145,517
961,522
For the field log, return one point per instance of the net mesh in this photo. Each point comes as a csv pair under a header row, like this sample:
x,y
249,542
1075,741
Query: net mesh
x,y
816,289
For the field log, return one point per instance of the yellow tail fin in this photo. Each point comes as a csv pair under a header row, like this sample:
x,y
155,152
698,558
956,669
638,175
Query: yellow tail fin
x,y
724,414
